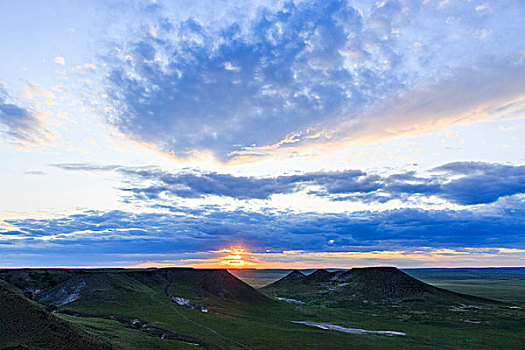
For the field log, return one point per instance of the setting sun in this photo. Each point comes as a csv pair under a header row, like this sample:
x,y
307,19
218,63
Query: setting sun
x,y
234,257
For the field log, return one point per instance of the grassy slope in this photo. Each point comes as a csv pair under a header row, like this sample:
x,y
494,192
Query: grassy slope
x,y
24,324
269,328
434,316
241,325
377,285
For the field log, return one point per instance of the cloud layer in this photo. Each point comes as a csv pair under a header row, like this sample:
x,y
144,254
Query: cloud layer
x,y
232,86
117,235
465,183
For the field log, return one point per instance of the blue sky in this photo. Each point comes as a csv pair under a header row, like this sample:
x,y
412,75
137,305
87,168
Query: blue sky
x,y
307,133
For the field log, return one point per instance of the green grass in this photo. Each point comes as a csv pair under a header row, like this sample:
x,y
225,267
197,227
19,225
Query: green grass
x,y
26,324
504,285
124,337
493,284
241,325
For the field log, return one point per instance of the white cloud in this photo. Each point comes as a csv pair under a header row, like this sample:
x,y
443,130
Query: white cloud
x,y
59,60
483,9
263,83
87,67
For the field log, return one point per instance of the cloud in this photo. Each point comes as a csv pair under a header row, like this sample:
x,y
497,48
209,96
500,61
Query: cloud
x,y
222,88
481,182
35,172
465,183
198,185
20,124
59,60
114,235
86,68
483,9
475,93
232,87
35,92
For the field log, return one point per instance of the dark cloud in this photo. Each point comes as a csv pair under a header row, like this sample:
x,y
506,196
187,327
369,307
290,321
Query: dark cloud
x,y
196,184
481,182
465,183
115,234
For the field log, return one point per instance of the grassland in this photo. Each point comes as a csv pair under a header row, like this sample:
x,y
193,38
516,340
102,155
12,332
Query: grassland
x,y
136,312
507,284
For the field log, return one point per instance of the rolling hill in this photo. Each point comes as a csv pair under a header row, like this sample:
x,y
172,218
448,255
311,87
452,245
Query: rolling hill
x,y
372,285
58,287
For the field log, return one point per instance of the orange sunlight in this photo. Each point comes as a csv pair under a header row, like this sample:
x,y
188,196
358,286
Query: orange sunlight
x,y
234,258
240,258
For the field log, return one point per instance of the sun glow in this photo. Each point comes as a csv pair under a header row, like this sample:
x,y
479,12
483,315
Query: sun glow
x,y
234,257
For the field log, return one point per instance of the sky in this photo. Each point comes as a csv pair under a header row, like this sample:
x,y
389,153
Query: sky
x,y
262,134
